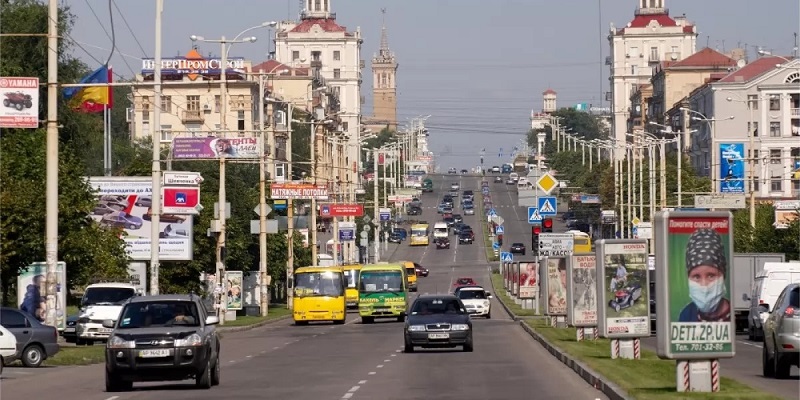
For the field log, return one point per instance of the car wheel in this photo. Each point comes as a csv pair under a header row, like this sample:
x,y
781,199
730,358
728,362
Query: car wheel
x,y
117,384
339,321
1,366
468,346
215,375
401,318
131,226
782,366
489,315
767,367
408,348
750,334
523,253
33,356
203,380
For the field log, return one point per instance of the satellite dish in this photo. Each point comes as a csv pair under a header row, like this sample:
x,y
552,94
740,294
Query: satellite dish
x,y
741,63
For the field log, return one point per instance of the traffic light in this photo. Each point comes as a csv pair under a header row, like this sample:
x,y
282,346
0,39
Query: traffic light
x,y
547,225
535,231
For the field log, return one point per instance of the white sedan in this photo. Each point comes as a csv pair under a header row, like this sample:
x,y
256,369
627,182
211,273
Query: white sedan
x,y
477,300
455,186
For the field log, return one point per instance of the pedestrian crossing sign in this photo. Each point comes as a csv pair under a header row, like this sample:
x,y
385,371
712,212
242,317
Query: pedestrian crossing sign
x,y
533,216
506,257
548,206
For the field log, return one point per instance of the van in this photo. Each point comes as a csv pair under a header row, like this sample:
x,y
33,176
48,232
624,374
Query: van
x,y
411,274
767,286
441,230
514,176
8,346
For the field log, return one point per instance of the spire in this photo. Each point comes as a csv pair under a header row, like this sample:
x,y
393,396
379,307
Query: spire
x,y
384,51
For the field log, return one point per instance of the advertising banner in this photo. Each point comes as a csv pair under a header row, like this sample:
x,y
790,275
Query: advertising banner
x,y
138,273
553,286
124,203
624,288
582,290
20,102
694,252
786,211
211,147
528,280
31,288
298,191
233,284
515,279
731,167
341,210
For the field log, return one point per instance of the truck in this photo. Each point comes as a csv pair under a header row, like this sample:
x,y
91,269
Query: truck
x,y
745,267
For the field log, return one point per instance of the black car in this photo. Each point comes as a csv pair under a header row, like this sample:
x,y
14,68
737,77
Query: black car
x,y
421,271
395,237
458,218
464,172
517,248
162,338
414,211
465,238
449,220
498,179
457,228
437,321
442,243
452,171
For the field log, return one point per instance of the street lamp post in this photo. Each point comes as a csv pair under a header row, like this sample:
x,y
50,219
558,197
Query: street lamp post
x,y
712,126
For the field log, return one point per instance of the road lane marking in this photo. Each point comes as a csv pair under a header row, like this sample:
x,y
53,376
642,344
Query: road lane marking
x,y
347,395
394,355
750,344
249,357
387,360
113,398
276,347
380,366
354,388
362,382
372,373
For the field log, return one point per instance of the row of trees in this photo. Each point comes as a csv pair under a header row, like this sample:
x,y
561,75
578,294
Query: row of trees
x,y
570,166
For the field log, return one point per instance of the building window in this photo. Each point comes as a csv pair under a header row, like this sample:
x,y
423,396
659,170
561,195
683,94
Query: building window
x,y
166,104
146,108
146,129
295,55
166,133
217,103
337,91
774,102
775,129
755,154
240,122
774,156
752,101
345,126
193,103
337,55
755,128
775,184
633,69
654,54
337,73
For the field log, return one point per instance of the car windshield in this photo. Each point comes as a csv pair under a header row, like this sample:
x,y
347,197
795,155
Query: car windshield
x,y
310,284
465,281
381,281
419,232
106,296
159,314
411,271
471,294
517,245
351,275
436,306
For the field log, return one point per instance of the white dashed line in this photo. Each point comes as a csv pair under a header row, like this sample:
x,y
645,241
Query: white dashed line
x,y
749,344
379,366
397,351
113,398
353,389
372,373
249,357
387,360
395,355
232,361
276,347
362,382
287,343
347,395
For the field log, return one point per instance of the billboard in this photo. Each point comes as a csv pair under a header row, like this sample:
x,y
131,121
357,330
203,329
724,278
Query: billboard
x,y
124,203
624,288
731,167
341,210
298,191
694,253
212,147
554,286
582,290
528,280
31,288
233,284
20,102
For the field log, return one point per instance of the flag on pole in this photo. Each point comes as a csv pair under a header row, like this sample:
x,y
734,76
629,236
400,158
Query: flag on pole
x,y
92,99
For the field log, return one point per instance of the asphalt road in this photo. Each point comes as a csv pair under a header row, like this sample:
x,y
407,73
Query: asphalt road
x,y
745,367
354,361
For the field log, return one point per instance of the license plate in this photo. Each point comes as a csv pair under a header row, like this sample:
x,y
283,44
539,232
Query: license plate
x,y
438,336
105,330
154,353
69,330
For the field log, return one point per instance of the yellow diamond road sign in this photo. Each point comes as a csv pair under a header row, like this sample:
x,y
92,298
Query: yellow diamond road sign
x,y
547,183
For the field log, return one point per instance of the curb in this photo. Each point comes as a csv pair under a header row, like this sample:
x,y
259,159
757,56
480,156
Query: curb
x,y
594,379
253,326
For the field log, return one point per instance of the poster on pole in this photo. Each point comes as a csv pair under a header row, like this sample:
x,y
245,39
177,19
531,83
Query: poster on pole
x,y
553,286
528,280
233,284
212,147
624,288
582,290
731,167
31,289
20,102
694,253
515,279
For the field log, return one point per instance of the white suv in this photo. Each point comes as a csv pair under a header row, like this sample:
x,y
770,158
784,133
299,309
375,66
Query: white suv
x,y
100,302
477,300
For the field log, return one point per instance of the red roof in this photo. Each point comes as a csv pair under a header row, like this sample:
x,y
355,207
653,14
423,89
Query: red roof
x,y
273,66
549,91
326,24
706,57
754,69
643,20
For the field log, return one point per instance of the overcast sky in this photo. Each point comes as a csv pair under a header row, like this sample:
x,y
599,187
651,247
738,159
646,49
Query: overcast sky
x,y
477,67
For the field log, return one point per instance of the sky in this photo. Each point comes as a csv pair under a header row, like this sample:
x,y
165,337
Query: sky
x,y
477,67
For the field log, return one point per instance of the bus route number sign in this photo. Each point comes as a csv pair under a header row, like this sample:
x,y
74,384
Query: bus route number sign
x,y
556,244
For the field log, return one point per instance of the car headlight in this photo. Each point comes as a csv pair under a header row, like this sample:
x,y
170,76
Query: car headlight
x,y
191,340
486,303
416,328
460,327
116,342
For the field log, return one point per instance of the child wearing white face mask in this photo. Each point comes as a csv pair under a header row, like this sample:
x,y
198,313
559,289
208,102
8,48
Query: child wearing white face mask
x,y
706,267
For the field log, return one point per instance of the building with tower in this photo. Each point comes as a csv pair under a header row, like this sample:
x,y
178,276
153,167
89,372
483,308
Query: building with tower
x,y
540,119
384,86
651,37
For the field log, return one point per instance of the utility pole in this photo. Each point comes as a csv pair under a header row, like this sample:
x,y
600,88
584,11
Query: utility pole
x,y
223,209
290,216
155,215
51,201
377,216
262,202
313,225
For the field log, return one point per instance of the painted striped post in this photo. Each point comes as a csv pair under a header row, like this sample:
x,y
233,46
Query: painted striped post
x,y
637,351
715,375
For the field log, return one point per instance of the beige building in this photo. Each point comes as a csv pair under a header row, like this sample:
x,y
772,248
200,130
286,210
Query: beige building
x,y
384,88
640,100
541,119
651,37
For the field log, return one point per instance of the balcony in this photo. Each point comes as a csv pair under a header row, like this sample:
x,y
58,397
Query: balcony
x,y
795,112
654,59
192,116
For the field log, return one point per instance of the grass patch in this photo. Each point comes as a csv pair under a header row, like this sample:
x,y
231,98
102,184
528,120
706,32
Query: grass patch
x,y
647,378
497,283
78,355
275,311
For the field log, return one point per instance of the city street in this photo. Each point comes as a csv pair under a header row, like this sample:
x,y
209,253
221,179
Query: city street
x,y
357,361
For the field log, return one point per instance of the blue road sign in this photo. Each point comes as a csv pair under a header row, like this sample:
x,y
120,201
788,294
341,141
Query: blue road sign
x,y
533,215
492,212
506,257
548,206
495,245
499,230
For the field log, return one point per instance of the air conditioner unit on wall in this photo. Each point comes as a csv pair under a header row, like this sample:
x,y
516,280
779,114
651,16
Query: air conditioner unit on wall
x,y
279,118
207,107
